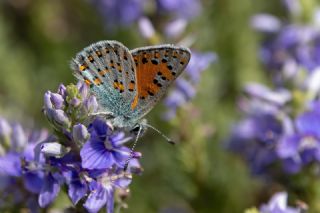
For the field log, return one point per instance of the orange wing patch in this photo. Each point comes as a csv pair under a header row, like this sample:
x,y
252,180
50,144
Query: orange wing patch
x,y
148,67
103,72
134,102
83,67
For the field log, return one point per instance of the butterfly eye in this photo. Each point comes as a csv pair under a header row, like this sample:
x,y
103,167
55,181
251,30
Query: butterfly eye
x,y
135,129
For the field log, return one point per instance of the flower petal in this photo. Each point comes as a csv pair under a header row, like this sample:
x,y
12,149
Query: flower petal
x,y
96,199
288,146
110,201
77,187
94,155
77,190
33,181
49,191
10,164
309,123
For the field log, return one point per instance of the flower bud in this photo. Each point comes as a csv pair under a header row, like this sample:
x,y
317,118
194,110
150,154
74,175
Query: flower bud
x,y
59,118
91,104
47,101
54,149
62,90
5,133
83,89
18,139
57,100
75,102
80,134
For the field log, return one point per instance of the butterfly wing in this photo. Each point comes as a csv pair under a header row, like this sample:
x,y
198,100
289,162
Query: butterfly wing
x,y
156,68
108,68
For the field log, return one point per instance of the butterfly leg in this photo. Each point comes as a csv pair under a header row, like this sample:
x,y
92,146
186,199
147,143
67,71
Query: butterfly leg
x,y
132,148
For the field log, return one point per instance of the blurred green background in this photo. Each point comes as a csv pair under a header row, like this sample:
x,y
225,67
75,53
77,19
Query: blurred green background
x,y
37,41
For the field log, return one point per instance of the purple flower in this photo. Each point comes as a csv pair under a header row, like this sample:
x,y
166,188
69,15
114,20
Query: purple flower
x,y
102,191
10,165
289,49
175,28
265,23
303,147
78,186
255,139
186,9
120,12
184,89
146,28
277,97
104,148
50,189
85,152
198,63
293,6
19,165
278,204
183,93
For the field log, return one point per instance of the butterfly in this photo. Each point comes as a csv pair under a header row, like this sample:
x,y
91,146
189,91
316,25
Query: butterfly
x,y
129,83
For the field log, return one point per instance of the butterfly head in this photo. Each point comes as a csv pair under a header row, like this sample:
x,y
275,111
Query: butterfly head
x,y
141,126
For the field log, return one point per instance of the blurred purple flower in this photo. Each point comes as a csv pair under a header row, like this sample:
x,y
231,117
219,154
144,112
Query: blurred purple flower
x,y
265,23
268,135
293,6
120,12
293,42
146,28
198,63
50,189
277,97
78,186
184,89
278,204
176,28
186,9
18,164
255,139
303,147
288,48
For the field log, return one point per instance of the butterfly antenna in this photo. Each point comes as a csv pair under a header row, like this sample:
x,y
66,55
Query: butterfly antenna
x,y
132,150
160,133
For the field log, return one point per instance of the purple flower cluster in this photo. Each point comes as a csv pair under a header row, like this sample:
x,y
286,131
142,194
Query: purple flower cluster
x,y
85,155
185,9
88,156
21,178
120,12
288,49
281,127
271,133
125,12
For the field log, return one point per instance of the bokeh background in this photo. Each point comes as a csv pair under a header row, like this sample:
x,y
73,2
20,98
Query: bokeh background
x,y
39,38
